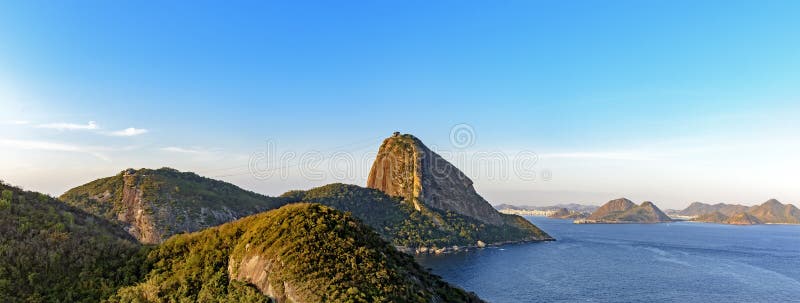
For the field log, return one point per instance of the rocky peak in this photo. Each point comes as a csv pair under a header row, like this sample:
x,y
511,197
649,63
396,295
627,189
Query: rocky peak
x,y
405,167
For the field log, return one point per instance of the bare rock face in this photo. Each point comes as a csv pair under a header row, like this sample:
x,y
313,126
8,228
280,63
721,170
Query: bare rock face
x,y
407,168
137,213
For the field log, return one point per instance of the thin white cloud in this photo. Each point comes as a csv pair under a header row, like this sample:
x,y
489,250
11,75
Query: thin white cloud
x,y
128,132
54,146
16,122
70,126
176,149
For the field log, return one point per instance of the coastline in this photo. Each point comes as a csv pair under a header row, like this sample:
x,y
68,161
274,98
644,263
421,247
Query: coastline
x,y
618,222
457,248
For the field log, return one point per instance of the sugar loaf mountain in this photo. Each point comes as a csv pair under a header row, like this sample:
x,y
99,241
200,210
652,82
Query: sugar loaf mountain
x,y
161,235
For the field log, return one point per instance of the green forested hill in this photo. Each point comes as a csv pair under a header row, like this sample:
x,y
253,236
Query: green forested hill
x,y
298,253
402,225
51,252
153,204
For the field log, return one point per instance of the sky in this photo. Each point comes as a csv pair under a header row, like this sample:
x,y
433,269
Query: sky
x,y
539,102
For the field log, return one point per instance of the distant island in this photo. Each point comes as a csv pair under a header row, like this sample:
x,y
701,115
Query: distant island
x,y
770,212
624,211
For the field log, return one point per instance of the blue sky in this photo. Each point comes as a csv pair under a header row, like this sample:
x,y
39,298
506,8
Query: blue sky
x,y
670,101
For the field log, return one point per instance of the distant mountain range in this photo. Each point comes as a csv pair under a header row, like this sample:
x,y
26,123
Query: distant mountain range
x,y
624,211
770,212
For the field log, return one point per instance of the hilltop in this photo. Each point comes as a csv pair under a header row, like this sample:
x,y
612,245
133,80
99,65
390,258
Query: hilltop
x,y
298,253
154,204
624,211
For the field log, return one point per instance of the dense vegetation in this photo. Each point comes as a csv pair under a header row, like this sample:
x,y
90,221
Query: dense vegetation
x,y
308,252
184,202
172,201
51,252
402,225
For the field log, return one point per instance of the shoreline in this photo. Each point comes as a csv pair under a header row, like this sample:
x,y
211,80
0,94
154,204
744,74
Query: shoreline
x,y
422,250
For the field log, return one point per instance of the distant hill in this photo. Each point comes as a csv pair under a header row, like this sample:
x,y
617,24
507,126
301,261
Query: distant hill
x,y
773,211
770,212
154,204
298,253
698,208
624,211
402,225
564,213
52,252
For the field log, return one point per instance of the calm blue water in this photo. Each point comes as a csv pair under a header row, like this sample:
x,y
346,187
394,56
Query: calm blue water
x,y
675,262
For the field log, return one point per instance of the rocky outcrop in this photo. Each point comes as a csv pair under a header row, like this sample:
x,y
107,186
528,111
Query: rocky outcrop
x,y
407,168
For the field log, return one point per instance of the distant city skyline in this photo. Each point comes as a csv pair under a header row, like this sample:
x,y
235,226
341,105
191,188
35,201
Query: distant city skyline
x,y
671,102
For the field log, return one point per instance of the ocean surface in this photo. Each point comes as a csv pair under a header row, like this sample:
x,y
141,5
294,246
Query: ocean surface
x,y
673,262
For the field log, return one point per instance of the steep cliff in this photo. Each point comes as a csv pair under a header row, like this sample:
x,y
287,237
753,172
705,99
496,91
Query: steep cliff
x,y
154,204
406,168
